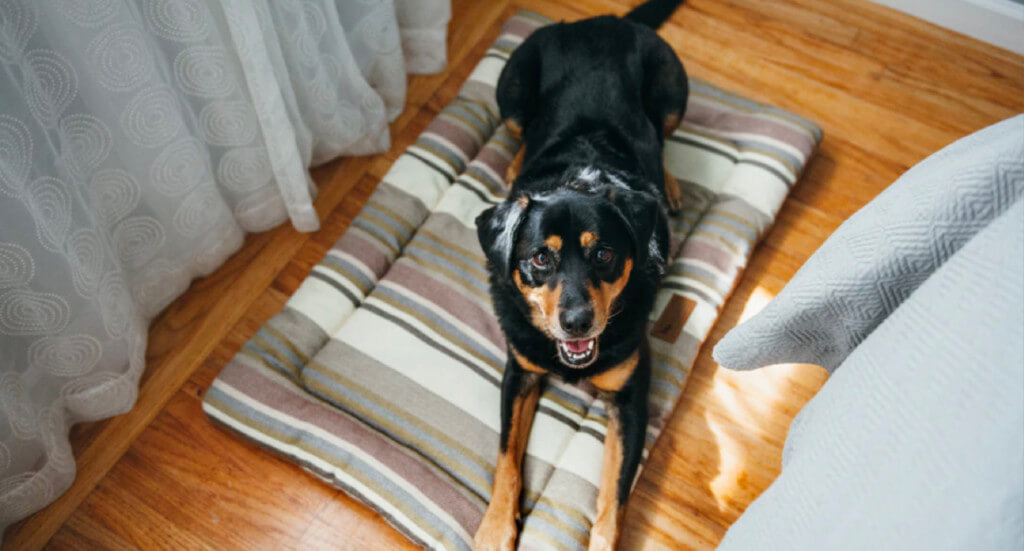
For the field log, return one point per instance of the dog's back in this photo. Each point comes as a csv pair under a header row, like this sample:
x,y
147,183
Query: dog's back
x,y
597,90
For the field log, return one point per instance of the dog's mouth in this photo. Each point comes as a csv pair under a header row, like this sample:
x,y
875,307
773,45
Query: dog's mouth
x,y
578,353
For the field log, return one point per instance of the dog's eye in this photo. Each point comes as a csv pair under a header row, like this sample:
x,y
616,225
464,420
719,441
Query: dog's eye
x,y
541,259
604,255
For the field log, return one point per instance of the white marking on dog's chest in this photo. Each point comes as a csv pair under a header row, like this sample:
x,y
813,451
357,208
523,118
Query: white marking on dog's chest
x,y
592,177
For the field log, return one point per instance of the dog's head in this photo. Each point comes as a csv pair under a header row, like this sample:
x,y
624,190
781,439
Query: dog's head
x,y
568,257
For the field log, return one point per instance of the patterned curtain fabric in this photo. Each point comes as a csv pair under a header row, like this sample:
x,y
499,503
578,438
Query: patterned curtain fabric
x,y
139,141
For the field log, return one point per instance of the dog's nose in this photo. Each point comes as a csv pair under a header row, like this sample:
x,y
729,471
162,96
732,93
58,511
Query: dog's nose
x,y
576,321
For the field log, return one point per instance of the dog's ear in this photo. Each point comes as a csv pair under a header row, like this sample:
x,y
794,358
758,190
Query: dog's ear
x,y
497,229
665,86
645,218
518,88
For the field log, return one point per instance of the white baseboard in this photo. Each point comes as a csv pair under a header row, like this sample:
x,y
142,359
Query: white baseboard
x,y
998,22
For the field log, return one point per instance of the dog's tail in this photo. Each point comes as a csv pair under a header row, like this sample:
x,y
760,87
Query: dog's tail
x,y
653,12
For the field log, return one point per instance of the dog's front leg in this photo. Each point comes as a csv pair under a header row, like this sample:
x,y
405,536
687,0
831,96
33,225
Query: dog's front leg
x,y
519,394
623,448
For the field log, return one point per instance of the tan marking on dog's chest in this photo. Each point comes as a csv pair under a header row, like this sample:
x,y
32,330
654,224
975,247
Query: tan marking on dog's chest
x,y
615,378
525,363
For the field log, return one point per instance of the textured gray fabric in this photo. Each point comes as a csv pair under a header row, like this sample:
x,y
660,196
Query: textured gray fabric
x,y
917,439
875,260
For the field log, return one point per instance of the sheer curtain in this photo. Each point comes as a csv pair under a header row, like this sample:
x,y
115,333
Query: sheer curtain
x,y
139,141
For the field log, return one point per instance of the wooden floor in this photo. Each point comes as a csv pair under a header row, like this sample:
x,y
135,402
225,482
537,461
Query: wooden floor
x,y
888,91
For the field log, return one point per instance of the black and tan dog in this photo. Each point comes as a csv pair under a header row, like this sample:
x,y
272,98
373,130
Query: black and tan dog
x,y
577,250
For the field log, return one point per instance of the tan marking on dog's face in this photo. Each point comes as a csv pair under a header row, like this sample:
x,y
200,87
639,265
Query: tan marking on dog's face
x,y
543,302
587,239
605,531
525,363
615,378
554,242
603,297
498,529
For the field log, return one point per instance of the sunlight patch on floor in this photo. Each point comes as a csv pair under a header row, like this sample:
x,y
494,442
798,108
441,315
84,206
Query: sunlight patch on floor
x,y
749,410
757,301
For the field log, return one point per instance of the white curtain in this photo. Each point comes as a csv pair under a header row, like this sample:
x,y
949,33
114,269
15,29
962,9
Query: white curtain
x,y
139,141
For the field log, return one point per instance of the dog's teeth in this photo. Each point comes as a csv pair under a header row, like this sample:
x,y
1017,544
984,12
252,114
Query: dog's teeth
x,y
590,345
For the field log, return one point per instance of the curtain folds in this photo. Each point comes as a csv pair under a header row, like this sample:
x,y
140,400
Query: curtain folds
x,y
139,141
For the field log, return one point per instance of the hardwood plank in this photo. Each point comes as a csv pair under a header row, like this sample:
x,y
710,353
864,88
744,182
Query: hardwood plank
x,y
842,177
888,133
885,35
888,90
362,529
936,41
868,72
179,496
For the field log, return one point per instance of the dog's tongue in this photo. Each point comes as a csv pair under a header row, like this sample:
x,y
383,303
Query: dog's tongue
x,y
577,347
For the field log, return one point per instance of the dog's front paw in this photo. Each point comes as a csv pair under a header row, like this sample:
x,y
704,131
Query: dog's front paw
x,y
604,532
497,532
598,542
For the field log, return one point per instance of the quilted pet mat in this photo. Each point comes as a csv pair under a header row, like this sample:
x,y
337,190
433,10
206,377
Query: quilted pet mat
x,y
382,372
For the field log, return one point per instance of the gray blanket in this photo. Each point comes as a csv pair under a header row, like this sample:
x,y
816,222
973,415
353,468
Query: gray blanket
x,y
917,306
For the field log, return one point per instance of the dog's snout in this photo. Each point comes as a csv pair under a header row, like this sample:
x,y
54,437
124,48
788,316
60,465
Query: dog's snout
x,y
576,321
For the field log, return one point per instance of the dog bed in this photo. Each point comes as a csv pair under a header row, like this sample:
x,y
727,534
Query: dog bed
x,y
382,372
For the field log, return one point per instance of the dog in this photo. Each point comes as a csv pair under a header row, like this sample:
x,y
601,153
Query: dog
x,y
577,250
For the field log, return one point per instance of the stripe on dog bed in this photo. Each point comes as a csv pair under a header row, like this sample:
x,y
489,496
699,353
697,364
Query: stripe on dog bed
x,y
382,373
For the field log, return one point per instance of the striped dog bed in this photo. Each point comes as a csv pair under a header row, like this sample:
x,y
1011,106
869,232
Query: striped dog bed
x,y
382,372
